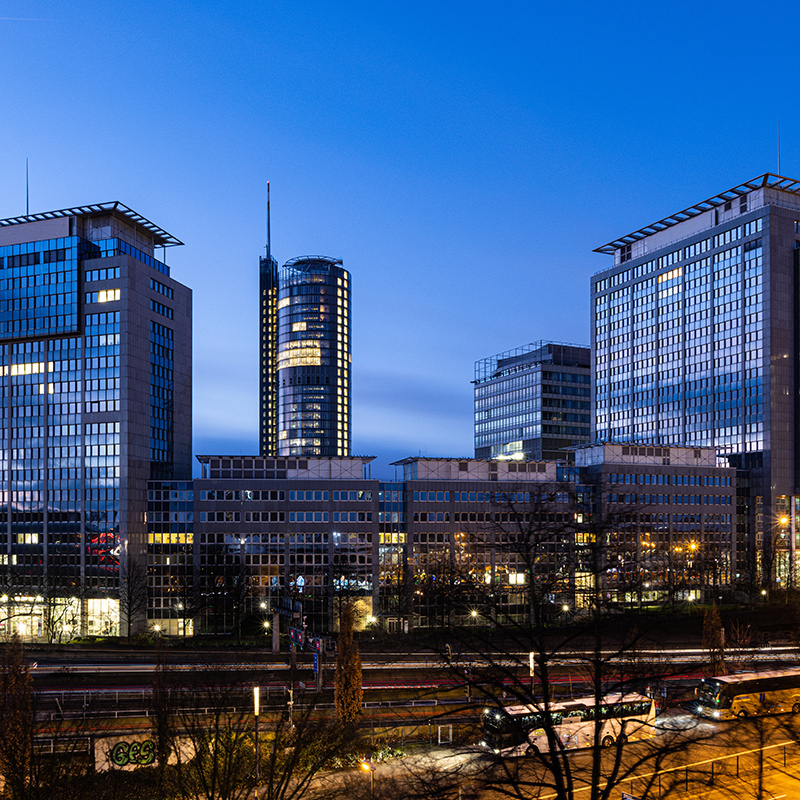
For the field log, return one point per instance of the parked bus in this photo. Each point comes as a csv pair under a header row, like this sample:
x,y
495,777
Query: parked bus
x,y
749,694
522,730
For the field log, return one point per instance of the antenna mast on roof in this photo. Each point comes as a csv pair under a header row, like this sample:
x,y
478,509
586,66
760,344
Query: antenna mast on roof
x,y
779,145
269,244
27,190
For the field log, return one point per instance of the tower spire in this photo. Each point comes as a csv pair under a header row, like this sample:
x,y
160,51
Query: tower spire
x,y
269,243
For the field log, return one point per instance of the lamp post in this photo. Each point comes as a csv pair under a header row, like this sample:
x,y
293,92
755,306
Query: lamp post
x,y
368,766
532,672
256,705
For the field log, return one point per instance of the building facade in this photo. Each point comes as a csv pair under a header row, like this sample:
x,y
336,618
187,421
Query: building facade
x,y
694,341
305,357
456,541
95,370
668,514
533,401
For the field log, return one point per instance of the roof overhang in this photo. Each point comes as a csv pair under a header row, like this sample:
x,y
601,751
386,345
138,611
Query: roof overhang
x,y
766,181
160,237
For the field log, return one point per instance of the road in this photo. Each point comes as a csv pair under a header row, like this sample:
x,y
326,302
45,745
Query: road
x,y
689,759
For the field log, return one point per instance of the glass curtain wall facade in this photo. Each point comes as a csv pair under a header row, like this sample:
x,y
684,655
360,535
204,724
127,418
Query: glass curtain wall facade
x,y
313,358
695,342
80,294
532,401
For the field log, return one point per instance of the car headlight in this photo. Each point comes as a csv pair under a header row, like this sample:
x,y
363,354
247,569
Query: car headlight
x,y
715,714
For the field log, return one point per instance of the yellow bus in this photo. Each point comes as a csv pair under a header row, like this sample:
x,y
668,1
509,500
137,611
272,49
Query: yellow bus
x,y
749,694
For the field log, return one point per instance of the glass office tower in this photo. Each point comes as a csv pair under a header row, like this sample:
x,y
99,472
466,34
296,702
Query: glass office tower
x,y
695,342
305,357
313,357
95,379
532,401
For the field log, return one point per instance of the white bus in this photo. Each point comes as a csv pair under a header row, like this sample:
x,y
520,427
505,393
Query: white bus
x,y
749,694
522,730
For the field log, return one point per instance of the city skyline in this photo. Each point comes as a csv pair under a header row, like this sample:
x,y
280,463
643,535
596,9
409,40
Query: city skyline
x,y
464,168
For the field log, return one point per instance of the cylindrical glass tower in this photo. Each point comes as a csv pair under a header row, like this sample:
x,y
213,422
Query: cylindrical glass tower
x,y
313,364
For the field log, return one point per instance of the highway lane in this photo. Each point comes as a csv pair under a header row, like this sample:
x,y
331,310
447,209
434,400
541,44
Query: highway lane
x,y
695,760
688,758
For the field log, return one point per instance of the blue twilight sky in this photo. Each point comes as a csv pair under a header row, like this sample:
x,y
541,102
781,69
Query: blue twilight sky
x,y
463,159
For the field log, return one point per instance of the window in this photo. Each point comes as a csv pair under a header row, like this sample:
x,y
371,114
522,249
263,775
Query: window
x,y
103,296
165,311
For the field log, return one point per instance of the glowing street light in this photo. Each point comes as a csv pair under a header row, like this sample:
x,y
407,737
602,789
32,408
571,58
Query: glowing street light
x,y
256,709
367,765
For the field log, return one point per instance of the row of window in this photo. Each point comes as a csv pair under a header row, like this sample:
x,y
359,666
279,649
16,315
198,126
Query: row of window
x,y
671,499
106,274
159,308
670,480
246,494
103,296
159,287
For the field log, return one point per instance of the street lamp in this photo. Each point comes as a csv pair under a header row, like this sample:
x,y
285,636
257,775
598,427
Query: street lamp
x,y
256,707
474,615
367,765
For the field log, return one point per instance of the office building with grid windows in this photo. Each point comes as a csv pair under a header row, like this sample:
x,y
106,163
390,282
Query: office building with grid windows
x,y
95,370
694,341
305,357
452,540
533,401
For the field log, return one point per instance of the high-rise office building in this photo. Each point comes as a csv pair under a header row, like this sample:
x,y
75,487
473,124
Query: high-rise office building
x,y
695,341
95,369
305,357
268,352
532,401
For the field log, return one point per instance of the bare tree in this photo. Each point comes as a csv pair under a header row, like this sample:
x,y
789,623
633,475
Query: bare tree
x,y
55,768
216,754
16,721
133,596
163,708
